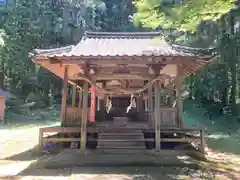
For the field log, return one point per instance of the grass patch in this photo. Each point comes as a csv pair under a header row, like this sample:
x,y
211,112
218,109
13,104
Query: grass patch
x,y
31,118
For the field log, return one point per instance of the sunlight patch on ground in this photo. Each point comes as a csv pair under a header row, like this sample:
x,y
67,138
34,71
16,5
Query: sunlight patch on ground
x,y
218,136
25,138
223,158
226,166
12,168
103,176
45,174
43,178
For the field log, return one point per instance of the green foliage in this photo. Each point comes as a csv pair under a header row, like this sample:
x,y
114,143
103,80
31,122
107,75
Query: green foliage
x,y
204,23
185,16
47,24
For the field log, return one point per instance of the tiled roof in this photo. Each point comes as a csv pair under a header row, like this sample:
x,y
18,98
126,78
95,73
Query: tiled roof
x,y
120,44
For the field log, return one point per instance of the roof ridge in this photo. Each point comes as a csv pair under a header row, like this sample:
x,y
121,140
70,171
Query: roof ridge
x,y
120,35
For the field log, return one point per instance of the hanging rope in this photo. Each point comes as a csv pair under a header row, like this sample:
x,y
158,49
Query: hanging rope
x,y
108,105
120,90
132,103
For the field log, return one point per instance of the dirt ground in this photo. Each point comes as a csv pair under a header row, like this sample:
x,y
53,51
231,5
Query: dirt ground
x,y
15,160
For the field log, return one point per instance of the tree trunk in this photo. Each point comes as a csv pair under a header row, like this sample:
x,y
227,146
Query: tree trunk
x,y
1,79
233,68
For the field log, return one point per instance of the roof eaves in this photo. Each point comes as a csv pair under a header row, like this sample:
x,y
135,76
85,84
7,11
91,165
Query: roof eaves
x,y
194,51
52,52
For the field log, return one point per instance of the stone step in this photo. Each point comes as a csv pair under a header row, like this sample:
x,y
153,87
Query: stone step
x,y
121,130
121,138
121,134
132,151
120,147
121,143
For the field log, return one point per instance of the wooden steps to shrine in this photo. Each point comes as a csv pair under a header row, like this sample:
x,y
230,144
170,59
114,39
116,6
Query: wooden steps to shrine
x,y
121,138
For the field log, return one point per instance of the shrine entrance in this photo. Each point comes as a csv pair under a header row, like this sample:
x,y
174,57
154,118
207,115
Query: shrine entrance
x,y
119,107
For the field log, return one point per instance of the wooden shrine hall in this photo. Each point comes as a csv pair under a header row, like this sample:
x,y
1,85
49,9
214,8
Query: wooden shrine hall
x,y
126,90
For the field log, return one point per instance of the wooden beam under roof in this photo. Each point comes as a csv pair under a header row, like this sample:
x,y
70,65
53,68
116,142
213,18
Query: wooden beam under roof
x,y
127,68
188,68
122,76
124,60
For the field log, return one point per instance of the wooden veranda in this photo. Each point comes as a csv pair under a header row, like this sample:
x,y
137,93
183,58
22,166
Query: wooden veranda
x,y
112,67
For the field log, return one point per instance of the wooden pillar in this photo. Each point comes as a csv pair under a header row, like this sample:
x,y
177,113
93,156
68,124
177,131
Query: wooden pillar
x,y
74,95
104,102
202,141
171,96
93,105
145,104
141,102
84,117
64,95
157,116
150,105
80,94
179,97
40,137
137,103
80,98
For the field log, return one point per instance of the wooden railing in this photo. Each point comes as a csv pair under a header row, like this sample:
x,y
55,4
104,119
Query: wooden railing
x,y
45,134
193,135
184,135
73,116
168,117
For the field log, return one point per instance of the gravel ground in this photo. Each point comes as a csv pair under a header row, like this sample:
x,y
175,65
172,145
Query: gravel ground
x,y
15,161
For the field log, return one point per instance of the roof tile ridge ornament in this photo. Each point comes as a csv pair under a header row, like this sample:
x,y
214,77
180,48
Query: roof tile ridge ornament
x,y
192,50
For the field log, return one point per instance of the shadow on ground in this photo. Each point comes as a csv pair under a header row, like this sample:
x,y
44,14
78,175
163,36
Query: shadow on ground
x,y
120,173
32,154
61,166
93,167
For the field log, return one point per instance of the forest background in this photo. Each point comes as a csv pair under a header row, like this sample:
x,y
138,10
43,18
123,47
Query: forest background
x,y
201,25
